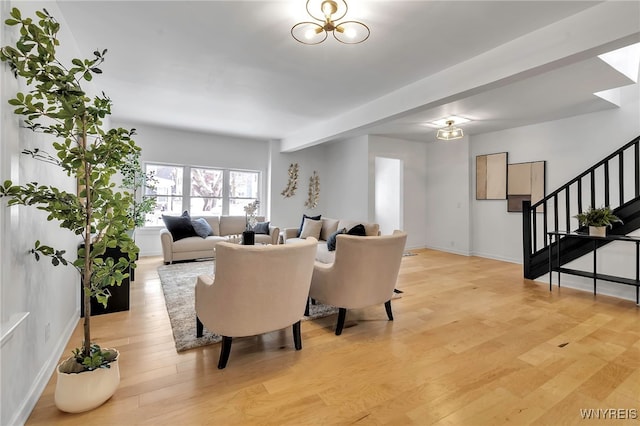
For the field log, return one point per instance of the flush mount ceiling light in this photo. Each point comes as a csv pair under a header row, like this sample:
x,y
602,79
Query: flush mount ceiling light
x,y
450,132
328,12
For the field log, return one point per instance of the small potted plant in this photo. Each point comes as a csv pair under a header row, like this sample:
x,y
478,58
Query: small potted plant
x,y
251,211
597,220
58,106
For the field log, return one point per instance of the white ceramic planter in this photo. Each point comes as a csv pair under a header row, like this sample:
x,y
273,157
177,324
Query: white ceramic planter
x,y
598,231
78,392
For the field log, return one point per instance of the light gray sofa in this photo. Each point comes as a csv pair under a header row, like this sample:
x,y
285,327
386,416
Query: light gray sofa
x,y
225,228
329,226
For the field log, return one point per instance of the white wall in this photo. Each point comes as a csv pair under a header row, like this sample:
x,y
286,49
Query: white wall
x,y
180,146
342,168
287,212
447,196
49,294
388,194
347,180
415,183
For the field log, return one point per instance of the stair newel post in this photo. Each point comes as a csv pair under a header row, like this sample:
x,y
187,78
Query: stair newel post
x,y
526,238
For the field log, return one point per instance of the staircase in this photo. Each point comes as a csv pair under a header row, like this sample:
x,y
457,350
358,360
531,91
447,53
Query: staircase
x,y
613,182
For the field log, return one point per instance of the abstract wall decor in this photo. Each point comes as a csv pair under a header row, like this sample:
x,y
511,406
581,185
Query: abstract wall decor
x,y
314,191
526,182
491,176
292,183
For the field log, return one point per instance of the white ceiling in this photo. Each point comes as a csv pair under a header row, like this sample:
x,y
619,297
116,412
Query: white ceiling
x,y
232,67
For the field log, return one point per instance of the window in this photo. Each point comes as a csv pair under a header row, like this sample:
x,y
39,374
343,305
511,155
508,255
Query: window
x,y
168,190
207,191
243,189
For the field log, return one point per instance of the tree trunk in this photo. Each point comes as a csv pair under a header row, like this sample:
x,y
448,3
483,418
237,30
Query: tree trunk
x,y
86,294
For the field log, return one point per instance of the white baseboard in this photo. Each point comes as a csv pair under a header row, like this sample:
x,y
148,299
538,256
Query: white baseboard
x,y
449,250
24,411
494,257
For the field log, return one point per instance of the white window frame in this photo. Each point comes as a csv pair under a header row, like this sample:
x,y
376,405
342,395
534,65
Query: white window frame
x,y
186,185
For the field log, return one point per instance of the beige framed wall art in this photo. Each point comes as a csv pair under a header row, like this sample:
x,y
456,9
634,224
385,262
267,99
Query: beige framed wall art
x,y
491,176
526,181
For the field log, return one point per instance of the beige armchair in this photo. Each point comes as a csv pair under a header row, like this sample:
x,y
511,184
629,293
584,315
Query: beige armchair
x,y
255,289
364,273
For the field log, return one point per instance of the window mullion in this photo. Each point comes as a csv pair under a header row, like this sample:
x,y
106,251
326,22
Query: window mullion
x,y
186,188
225,192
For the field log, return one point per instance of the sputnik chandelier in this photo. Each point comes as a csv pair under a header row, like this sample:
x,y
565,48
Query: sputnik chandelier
x,y
328,12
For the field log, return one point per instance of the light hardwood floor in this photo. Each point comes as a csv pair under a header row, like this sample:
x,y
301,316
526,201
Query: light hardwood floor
x,y
472,344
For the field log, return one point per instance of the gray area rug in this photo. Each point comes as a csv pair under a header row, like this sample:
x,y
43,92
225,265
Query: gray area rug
x,y
178,284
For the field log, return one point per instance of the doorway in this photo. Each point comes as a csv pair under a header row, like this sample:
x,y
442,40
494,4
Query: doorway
x,y
388,194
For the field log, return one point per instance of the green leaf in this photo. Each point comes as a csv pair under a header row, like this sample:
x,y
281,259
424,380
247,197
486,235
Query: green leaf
x,y
15,12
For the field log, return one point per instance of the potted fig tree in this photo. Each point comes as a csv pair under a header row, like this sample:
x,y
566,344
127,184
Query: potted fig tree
x,y
58,106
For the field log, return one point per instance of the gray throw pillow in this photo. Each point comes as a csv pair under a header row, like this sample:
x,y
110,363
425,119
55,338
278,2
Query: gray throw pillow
x,y
202,227
331,241
261,228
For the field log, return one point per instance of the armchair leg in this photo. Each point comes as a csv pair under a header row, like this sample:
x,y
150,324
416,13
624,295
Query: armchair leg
x,y
297,339
225,350
199,327
387,306
306,308
342,314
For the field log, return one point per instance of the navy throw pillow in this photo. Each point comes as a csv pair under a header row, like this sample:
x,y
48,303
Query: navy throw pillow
x,y
357,230
304,216
179,226
331,242
261,228
202,227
